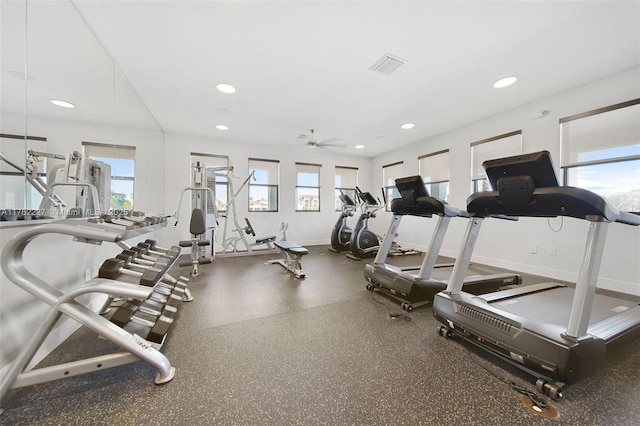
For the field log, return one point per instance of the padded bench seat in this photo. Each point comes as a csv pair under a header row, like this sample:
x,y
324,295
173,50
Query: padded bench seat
x,y
293,248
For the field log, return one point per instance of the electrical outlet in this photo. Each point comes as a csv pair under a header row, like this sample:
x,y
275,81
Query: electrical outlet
x,y
533,249
87,274
552,251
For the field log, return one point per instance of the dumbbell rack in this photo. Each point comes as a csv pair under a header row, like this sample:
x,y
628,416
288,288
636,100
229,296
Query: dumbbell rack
x,y
134,347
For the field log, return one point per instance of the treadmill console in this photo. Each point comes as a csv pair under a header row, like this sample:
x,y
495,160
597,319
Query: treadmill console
x,y
411,188
537,166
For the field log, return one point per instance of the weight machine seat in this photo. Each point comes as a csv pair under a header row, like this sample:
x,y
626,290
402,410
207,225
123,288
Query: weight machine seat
x,y
197,227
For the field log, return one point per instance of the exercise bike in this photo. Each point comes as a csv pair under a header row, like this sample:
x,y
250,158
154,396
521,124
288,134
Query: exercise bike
x,y
365,243
341,234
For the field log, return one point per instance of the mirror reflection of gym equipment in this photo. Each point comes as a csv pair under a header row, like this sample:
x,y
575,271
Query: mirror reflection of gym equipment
x,y
77,177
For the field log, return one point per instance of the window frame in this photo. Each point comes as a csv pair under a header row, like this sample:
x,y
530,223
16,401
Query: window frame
x,y
199,156
115,178
481,184
298,186
339,190
567,166
269,186
428,183
390,191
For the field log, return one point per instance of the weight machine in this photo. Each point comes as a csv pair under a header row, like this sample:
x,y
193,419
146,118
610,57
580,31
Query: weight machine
x,y
198,226
230,242
90,178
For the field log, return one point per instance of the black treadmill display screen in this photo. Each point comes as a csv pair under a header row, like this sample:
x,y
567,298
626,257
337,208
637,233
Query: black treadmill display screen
x,y
536,165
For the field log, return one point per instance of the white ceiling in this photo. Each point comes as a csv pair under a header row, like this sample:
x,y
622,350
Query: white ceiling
x,y
299,65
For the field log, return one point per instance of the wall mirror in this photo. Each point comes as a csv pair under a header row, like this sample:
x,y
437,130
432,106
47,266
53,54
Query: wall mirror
x,y
49,54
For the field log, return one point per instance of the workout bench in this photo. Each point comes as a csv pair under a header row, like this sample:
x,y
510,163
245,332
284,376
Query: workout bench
x,y
292,257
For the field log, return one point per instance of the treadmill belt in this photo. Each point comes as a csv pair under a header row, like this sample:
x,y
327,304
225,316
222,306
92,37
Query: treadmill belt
x,y
554,306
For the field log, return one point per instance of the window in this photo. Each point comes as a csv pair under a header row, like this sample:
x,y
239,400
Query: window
x,y
390,173
263,191
600,151
345,182
434,169
121,158
217,174
489,149
307,187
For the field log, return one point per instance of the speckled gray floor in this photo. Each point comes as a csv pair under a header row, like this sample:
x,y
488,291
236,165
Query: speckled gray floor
x,y
258,347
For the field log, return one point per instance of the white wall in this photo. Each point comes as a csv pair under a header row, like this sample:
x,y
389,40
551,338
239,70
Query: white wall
x,y
506,244
305,228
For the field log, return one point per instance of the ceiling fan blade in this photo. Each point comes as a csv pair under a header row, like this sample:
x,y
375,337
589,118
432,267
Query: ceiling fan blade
x,y
333,142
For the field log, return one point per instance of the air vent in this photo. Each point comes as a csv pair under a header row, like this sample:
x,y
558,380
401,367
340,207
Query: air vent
x,y
490,320
387,64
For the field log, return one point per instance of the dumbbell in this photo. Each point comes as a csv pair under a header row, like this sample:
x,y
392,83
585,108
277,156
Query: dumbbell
x,y
163,293
150,245
114,269
115,220
150,319
131,261
147,310
153,331
171,251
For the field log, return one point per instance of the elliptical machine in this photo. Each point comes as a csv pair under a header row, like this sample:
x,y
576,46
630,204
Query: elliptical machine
x,y
341,234
365,243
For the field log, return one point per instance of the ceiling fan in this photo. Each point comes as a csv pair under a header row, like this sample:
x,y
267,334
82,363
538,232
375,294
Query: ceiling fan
x,y
313,142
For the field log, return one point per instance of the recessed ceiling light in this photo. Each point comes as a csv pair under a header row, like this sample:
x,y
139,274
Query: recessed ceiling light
x,y
224,111
407,126
63,104
504,82
359,146
226,88
222,127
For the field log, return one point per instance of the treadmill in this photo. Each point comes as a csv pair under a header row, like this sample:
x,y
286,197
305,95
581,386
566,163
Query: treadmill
x,y
557,334
415,286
